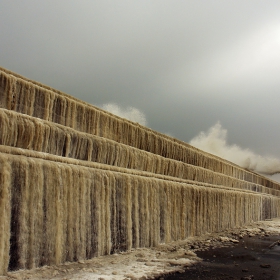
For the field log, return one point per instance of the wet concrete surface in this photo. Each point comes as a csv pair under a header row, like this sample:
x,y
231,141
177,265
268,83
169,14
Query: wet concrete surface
x,y
252,258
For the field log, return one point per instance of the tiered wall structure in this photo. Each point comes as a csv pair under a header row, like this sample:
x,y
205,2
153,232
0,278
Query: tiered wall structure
x,y
78,182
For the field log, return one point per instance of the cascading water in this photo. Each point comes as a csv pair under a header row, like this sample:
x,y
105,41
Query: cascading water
x,y
77,182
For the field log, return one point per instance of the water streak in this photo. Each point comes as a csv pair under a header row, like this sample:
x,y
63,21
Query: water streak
x,y
77,182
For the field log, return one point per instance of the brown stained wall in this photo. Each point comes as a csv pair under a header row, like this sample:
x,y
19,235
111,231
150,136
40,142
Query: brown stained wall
x,y
63,212
77,182
23,96
22,131
244,186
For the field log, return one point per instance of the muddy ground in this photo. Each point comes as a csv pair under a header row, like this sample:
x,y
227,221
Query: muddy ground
x,y
255,258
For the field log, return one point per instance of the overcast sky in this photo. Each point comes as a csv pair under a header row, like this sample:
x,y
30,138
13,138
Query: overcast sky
x,y
184,64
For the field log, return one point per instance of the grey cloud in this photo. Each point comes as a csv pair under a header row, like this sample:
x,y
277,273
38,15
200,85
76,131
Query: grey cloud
x,y
184,64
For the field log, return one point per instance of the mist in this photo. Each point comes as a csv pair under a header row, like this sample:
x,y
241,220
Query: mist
x,y
214,141
129,113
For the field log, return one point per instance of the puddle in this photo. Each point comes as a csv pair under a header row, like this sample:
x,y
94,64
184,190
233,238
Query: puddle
x,y
251,258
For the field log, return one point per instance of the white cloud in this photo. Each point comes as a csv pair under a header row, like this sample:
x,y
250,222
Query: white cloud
x,y
215,142
129,113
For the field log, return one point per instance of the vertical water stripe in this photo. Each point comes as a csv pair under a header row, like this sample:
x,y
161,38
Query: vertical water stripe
x,y
5,213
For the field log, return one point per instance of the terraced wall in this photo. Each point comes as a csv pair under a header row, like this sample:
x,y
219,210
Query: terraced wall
x,y
77,182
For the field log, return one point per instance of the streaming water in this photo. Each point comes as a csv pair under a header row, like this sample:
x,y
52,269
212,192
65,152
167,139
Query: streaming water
x,y
31,98
77,182
22,131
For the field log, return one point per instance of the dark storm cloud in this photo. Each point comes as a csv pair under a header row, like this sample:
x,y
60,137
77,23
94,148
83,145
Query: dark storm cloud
x,y
184,64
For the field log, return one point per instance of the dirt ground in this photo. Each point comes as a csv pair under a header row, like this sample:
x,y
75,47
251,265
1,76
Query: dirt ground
x,y
216,255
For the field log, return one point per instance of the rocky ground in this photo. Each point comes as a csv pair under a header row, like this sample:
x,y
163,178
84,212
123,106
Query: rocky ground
x,y
194,255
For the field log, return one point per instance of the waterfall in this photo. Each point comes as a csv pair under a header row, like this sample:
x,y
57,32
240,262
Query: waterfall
x,y
77,182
